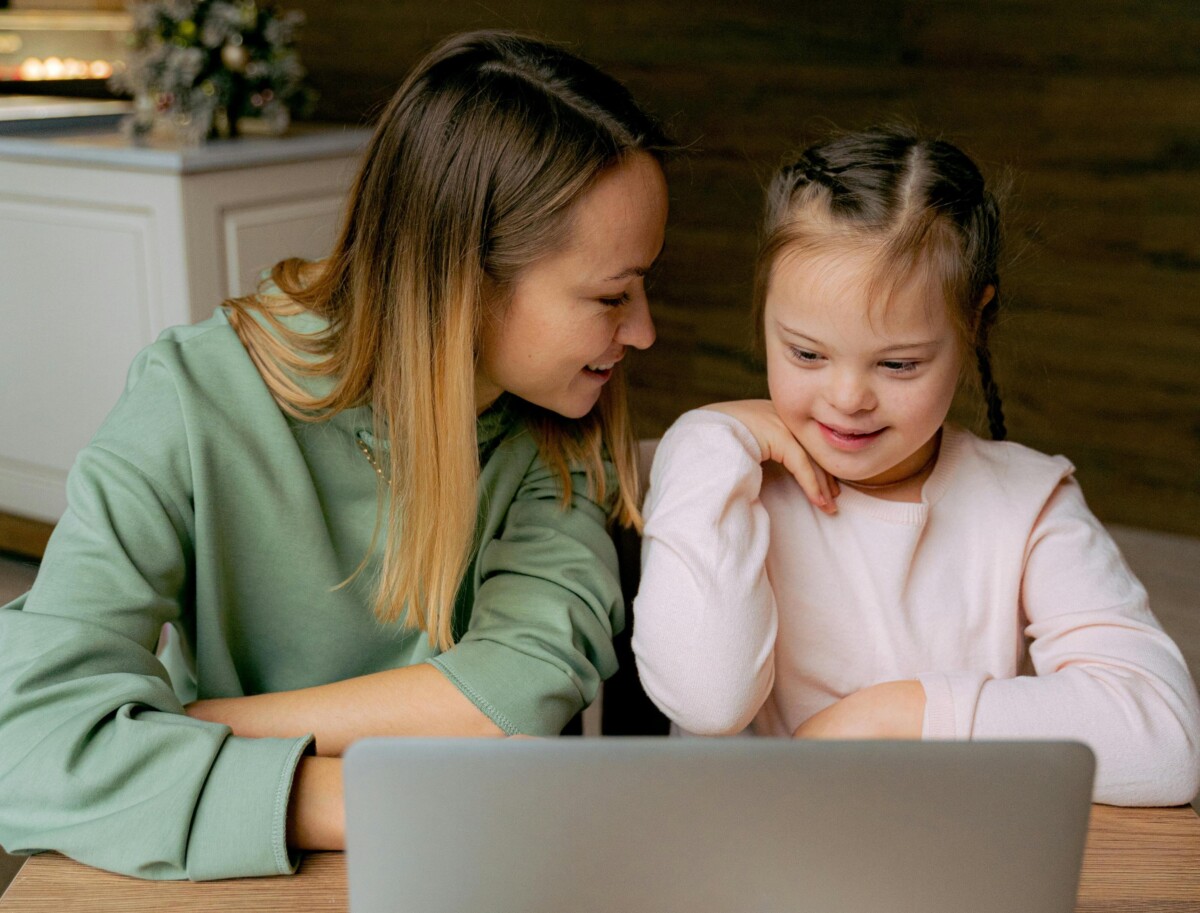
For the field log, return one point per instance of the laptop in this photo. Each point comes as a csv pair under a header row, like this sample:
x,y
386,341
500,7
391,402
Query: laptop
x,y
741,825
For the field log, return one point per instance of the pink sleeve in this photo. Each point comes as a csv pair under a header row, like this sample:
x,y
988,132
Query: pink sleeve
x,y
1107,674
950,702
705,617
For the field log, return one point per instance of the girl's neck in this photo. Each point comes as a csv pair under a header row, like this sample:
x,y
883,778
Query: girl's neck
x,y
909,486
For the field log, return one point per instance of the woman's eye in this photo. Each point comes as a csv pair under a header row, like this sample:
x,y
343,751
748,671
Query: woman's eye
x,y
617,301
899,367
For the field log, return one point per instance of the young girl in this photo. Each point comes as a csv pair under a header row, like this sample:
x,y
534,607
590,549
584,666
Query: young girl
x,y
371,500
909,609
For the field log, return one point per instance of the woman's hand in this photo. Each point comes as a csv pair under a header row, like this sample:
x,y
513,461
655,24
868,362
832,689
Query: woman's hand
x,y
779,445
891,710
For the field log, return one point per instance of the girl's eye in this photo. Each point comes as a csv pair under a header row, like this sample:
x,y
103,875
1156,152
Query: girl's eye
x,y
899,367
623,298
804,356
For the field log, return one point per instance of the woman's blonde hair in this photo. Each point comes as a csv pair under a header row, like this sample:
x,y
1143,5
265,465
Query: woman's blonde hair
x,y
470,176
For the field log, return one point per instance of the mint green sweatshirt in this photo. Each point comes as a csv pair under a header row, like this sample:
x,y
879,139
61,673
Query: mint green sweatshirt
x,y
201,506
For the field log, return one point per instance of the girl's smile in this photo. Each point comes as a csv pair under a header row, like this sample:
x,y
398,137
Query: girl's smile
x,y
850,441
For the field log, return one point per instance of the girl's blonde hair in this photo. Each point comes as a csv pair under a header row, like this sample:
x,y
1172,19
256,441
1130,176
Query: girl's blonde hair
x,y
470,176
919,203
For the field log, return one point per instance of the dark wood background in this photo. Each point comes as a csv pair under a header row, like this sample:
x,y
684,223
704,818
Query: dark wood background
x,y
1092,109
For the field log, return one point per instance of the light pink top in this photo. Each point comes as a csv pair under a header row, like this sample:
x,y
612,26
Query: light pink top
x,y
756,609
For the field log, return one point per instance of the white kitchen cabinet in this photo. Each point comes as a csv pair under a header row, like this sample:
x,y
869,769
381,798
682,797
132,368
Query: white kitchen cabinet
x,y
103,245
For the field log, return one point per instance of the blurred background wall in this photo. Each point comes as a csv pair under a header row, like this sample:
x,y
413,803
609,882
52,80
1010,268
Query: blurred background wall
x,y
1093,109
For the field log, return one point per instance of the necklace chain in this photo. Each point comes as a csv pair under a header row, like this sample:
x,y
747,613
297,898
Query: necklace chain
x,y
370,455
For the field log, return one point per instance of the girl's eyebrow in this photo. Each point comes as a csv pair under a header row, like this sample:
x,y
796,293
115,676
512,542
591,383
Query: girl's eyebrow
x,y
790,332
898,346
923,344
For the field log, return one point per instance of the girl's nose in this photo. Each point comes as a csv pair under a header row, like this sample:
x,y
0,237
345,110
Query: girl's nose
x,y
850,392
637,327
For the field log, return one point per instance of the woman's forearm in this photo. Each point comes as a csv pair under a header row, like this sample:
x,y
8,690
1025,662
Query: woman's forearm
x,y
316,812
415,700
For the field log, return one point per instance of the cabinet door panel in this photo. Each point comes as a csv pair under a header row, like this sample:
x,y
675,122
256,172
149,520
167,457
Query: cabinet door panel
x,y
257,237
79,296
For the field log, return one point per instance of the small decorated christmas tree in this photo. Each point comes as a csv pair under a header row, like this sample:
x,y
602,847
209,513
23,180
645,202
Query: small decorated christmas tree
x,y
199,66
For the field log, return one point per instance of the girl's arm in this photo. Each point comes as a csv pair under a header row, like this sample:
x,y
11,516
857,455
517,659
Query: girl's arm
x,y
890,710
1107,674
704,633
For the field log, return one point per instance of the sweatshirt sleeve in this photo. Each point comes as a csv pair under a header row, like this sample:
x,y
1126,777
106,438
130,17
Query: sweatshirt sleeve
x,y
705,617
97,759
540,636
1107,674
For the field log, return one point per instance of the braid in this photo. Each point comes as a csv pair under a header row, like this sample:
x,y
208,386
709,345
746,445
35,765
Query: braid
x,y
991,391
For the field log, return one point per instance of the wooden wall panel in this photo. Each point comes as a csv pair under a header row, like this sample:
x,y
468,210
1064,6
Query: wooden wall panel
x,y
1093,111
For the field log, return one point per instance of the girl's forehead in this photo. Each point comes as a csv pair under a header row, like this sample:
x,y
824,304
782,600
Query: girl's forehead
x,y
841,289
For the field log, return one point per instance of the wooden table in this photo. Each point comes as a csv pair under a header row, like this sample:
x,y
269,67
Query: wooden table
x,y
1138,860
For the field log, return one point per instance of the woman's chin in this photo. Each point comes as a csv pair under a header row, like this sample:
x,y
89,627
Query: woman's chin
x,y
573,408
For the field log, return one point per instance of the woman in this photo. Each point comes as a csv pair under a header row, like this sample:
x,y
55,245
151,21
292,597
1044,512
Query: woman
x,y
371,499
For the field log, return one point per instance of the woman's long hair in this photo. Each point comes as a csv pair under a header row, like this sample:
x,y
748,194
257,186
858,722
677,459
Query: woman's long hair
x,y
470,176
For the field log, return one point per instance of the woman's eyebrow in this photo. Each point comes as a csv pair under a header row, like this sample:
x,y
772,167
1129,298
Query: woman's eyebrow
x,y
631,271
638,270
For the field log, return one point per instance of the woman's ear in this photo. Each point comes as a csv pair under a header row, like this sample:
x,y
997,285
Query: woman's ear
x,y
493,299
989,292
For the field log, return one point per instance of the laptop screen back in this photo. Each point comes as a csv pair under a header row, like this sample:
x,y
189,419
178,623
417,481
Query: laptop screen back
x,y
740,825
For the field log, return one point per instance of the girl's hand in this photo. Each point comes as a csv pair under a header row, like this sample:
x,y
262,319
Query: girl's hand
x,y
891,710
779,445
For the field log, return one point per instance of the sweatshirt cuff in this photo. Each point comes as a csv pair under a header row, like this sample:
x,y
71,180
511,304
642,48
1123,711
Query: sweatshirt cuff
x,y
950,701
239,828
519,696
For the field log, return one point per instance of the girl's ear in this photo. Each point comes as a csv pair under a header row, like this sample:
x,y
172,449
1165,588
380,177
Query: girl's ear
x,y
989,293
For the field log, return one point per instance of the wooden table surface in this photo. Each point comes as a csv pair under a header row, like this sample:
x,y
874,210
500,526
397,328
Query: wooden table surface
x,y
1138,860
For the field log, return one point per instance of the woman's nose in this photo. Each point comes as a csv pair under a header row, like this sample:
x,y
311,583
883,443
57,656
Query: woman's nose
x,y
637,327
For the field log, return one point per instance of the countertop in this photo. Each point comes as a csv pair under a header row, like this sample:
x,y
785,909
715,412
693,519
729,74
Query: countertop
x,y
110,149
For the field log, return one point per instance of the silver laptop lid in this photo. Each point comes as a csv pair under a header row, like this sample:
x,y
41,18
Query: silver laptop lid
x,y
744,825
